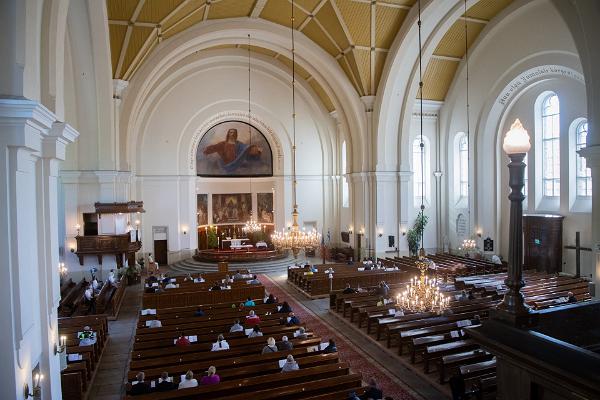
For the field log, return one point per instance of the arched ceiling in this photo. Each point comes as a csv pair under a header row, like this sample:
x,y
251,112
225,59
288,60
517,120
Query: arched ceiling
x,y
357,33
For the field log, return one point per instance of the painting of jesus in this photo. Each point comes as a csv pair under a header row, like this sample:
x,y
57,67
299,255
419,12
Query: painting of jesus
x,y
234,148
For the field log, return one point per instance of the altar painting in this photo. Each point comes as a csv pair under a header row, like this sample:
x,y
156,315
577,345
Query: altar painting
x,y
231,208
264,208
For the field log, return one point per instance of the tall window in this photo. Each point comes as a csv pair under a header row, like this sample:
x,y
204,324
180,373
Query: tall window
x,y
421,173
551,146
583,174
345,192
463,166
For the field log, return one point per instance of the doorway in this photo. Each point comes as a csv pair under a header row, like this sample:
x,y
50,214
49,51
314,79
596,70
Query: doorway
x,y
159,236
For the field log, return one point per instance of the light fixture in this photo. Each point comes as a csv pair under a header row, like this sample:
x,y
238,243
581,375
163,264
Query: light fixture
x,y
62,347
422,294
251,226
295,239
36,390
468,245
350,230
516,140
137,223
516,145
62,269
78,228
479,232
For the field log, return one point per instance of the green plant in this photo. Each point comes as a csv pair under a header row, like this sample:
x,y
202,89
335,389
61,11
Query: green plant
x,y
413,236
212,241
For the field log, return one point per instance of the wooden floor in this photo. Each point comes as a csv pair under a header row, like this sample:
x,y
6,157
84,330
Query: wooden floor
x,y
370,359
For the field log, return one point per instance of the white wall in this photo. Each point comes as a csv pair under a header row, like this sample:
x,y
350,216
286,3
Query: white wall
x,y
503,87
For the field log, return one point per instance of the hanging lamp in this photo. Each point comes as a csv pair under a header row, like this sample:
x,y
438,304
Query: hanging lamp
x,y
422,294
251,226
295,239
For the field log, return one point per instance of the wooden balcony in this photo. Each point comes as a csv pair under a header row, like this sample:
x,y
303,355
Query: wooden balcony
x,y
119,246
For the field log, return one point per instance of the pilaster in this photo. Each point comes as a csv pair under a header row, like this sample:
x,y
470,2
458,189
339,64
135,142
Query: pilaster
x,y
592,159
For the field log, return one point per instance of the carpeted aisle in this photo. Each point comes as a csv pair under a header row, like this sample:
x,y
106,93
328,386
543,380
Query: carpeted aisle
x,y
359,362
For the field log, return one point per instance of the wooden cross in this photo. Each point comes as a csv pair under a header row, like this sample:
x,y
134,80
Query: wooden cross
x,y
578,249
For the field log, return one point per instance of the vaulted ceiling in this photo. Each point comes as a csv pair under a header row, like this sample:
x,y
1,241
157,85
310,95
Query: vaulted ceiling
x,y
357,33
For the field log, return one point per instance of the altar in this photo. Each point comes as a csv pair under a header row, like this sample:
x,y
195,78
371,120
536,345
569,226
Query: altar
x,y
236,243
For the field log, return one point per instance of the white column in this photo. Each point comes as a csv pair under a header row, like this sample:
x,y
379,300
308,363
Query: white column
x,y
47,166
369,180
23,124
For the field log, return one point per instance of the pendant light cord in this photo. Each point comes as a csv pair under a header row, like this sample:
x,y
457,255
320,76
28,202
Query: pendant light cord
x,y
468,109
422,144
249,121
295,205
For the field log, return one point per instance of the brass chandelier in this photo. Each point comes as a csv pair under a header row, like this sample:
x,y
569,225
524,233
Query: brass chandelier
x,y
295,239
251,226
422,294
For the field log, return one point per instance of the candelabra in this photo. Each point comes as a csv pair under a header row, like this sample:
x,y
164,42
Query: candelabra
x,y
422,294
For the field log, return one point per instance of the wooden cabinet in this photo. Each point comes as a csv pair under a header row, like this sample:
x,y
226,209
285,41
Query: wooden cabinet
x,y
542,242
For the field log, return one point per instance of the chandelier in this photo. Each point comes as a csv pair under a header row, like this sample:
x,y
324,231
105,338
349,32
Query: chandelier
x,y
295,239
422,294
469,244
251,226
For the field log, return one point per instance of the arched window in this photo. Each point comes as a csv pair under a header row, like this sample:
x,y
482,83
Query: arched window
x,y
345,191
420,173
463,165
550,114
582,173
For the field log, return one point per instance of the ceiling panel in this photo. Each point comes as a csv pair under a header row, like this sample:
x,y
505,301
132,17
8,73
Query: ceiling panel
x,y
487,9
116,36
357,17
155,10
328,18
136,41
121,9
437,78
453,42
387,21
314,31
230,9
279,11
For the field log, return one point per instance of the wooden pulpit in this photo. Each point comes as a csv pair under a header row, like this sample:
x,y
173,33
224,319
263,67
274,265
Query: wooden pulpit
x,y
542,242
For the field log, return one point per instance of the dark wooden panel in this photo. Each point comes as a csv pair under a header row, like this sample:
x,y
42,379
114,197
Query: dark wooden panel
x,y
542,242
160,252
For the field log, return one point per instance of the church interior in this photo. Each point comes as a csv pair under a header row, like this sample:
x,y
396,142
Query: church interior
x,y
300,199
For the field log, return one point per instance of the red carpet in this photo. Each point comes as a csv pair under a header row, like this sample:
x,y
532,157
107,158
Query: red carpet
x,y
358,362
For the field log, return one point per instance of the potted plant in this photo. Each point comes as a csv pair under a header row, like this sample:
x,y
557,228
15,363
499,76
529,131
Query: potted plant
x,y
413,236
133,273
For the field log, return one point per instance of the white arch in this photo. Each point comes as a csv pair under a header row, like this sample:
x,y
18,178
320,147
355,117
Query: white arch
x,y
264,34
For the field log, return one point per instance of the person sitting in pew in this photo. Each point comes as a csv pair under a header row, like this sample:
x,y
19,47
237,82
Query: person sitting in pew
x,y
189,381
383,289
476,320
140,387
348,289
463,296
290,364
301,333
220,344
199,312
471,295
199,279
271,346
238,275
353,396
380,302
256,332
182,341
152,278
254,281
165,279
571,297
285,344
292,319
216,286
284,308
228,279
154,323
373,391
188,278
236,327
331,347
252,318
112,278
249,302
165,383
87,337
211,377
170,285
95,285
271,299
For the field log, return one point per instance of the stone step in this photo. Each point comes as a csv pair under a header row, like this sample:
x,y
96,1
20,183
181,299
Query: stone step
x,y
191,265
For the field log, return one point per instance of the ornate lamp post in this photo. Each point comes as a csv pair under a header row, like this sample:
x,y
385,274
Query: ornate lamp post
x,y
516,145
